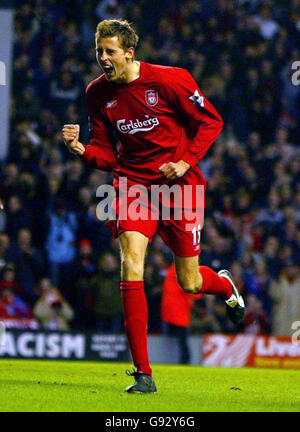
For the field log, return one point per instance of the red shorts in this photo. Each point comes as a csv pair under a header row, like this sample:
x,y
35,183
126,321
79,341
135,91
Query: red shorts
x,y
177,216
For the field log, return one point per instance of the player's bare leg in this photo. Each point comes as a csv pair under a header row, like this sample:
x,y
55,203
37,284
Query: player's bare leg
x,y
188,275
133,246
194,280
133,252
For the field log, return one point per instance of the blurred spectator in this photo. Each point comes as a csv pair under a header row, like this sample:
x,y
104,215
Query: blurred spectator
x,y
84,286
6,252
60,246
272,215
176,308
85,263
240,279
12,306
108,307
9,183
73,182
29,263
286,300
51,309
64,90
260,287
155,272
270,253
17,217
256,320
8,280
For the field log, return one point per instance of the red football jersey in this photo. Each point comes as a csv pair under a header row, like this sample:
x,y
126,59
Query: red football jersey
x,y
160,117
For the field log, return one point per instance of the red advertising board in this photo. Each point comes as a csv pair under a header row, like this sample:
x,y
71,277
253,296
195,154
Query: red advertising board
x,y
250,350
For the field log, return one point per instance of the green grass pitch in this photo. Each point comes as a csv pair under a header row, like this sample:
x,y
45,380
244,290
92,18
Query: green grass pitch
x,y
37,385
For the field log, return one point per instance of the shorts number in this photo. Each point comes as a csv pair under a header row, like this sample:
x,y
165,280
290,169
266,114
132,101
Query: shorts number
x,y
196,235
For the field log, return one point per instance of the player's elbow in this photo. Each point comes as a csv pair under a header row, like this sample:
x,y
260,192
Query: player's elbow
x,y
220,124
106,165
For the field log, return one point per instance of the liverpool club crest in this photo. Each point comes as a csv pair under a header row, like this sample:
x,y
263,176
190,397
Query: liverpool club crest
x,y
151,97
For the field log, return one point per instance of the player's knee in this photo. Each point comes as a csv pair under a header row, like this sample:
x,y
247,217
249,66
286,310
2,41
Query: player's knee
x,y
132,266
190,288
191,285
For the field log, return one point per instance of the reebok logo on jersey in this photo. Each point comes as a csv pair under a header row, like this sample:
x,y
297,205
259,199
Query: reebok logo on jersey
x,y
111,104
132,127
197,99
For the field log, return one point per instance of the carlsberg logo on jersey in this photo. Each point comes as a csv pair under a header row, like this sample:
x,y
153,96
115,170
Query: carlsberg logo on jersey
x,y
132,127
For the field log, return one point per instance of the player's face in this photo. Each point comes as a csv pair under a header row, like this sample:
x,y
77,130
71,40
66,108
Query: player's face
x,y
113,59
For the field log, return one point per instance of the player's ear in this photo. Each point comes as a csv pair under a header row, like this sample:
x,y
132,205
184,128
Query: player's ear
x,y
130,53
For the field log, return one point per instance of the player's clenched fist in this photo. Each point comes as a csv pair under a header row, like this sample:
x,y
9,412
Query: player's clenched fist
x,y
71,135
174,170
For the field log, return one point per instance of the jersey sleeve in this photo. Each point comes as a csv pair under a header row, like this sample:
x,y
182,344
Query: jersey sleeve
x,y
203,122
100,153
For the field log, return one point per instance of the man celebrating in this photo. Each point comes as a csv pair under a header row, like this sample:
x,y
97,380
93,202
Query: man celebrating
x,y
165,126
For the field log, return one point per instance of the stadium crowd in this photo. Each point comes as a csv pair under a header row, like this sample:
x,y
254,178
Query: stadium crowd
x,y
58,262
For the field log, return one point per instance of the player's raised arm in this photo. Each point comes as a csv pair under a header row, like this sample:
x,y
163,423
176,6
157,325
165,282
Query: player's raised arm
x,y
100,152
204,123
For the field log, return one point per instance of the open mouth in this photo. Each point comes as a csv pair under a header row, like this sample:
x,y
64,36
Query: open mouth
x,y
108,70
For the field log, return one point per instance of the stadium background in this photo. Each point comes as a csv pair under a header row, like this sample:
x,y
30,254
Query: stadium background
x,y
240,53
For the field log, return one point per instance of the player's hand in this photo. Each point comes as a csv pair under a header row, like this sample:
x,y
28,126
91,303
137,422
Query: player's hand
x,y
1,206
174,170
71,135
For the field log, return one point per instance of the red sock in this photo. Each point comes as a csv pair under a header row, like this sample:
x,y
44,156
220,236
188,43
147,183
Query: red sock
x,y
214,284
135,321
